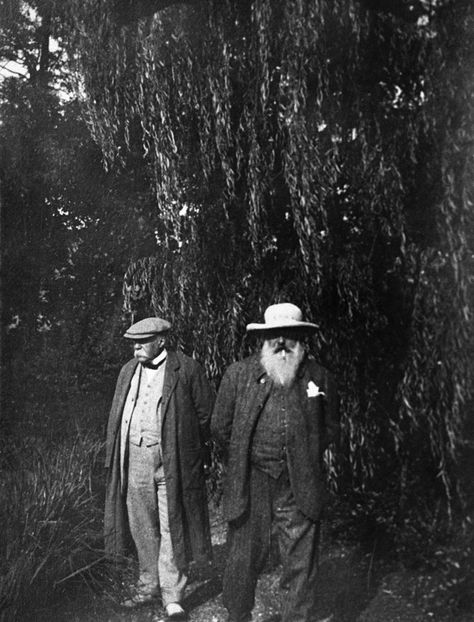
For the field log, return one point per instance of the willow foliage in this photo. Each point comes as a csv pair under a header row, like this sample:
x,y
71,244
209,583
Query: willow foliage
x,y
316,151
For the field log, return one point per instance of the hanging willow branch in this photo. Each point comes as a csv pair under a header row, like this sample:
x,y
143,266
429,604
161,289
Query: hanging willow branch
x,y
316,151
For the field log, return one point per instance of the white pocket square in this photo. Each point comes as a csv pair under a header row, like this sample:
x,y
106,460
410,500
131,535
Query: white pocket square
x,y
313,390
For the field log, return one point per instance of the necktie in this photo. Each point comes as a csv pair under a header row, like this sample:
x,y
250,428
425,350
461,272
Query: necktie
x,y
150,365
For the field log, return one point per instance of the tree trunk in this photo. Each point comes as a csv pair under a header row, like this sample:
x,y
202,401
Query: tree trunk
x,y
43,71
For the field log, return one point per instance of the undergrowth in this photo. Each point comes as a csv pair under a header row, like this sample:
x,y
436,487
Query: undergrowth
x,y
50,521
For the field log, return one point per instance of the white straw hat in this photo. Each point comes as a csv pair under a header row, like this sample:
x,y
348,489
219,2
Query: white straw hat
x,y
283,315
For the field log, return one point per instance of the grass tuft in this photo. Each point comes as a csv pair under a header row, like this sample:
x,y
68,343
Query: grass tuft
x,y
50,521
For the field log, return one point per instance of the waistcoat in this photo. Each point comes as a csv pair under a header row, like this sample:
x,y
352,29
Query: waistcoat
x,y
269,441
145,424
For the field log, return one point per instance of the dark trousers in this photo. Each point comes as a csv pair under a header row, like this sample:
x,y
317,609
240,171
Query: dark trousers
x,y
272,503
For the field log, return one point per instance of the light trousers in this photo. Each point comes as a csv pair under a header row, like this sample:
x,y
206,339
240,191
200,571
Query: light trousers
x,y
147,506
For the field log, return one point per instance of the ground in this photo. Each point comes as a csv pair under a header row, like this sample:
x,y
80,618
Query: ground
x,y
353,588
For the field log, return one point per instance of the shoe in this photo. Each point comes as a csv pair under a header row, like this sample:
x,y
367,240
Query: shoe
x,y
175,613
138,599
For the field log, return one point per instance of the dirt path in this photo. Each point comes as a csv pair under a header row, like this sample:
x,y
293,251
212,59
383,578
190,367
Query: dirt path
x,y
353,587
350,589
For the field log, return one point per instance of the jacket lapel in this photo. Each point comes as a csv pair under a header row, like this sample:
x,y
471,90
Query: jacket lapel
x,y
123,391
170,382
257,392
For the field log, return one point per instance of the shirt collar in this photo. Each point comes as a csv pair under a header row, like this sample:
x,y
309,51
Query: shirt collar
x,y
152,365
160,358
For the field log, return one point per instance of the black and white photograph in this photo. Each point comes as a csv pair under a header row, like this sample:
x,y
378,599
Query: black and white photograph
x,y
237,310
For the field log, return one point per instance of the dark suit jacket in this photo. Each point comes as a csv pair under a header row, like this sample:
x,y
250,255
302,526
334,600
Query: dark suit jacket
x,y
242,394
186,408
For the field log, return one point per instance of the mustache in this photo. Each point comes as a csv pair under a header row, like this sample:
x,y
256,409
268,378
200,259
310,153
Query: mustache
x,y
282,347
281,362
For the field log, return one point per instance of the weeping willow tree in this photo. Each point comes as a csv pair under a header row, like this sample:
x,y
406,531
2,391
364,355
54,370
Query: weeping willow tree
x,y
319,152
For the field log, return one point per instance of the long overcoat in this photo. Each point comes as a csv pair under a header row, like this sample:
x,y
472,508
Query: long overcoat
x,y
185,414
242,394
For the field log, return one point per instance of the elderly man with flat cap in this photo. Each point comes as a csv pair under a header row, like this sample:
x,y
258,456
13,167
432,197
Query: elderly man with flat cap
x,y
275,414
155,451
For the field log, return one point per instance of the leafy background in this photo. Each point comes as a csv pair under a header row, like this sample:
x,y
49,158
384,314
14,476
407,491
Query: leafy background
x,y
205,160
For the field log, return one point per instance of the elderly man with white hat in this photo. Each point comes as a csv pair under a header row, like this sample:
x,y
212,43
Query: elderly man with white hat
x,y
155,450
275,414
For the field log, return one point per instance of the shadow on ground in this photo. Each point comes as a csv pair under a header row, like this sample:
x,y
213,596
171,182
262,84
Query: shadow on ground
x,y
344,591
344,588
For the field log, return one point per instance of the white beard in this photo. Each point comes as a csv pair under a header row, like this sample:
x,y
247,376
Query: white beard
x,y
282,365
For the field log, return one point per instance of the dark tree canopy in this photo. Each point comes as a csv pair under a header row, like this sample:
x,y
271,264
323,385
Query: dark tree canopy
x,y
67,230
318,152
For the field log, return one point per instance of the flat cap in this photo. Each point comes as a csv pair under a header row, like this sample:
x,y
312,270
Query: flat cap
x,y
147,328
